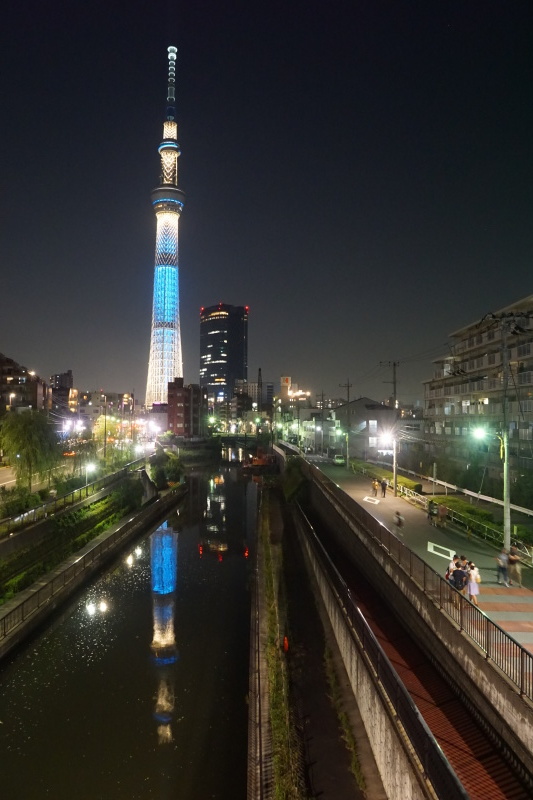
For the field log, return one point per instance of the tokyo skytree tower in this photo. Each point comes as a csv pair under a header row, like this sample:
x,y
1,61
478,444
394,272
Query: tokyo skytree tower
x,y
165,362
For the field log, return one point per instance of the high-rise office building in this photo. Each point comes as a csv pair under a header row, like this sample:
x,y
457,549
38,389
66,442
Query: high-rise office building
x,y
165,362
223,350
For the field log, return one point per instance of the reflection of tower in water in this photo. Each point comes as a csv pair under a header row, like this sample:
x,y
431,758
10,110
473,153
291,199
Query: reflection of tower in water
x,y
164,565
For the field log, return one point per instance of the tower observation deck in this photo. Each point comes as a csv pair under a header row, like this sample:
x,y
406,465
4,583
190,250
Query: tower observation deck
x,y
165,363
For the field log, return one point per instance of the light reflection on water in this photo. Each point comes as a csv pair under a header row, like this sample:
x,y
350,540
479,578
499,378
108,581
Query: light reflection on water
x,y
138,689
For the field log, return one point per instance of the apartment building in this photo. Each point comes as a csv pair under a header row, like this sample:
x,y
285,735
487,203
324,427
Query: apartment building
x,y
486,380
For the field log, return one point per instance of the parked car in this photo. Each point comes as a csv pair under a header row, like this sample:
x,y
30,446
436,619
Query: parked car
x,y
339,460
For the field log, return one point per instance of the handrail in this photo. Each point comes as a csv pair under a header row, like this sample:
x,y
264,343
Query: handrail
x,y
471,525
437,769
50,585
16,522
505,652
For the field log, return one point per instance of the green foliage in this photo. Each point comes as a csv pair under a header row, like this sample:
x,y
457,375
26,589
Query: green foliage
x,y
174,468
293,478
159,477
30,442
17,501
374,471
344,721
159,458
285,761
129,495
68,533
462,506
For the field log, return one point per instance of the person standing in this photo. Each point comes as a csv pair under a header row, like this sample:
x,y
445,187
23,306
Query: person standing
x,y
375,485
474,579
443,513
459,578
384,484
502,564
515,566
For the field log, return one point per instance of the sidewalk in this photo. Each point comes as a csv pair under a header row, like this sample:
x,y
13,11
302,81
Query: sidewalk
x,y
510,608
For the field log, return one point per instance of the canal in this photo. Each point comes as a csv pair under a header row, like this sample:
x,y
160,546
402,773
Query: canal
x,y
138,688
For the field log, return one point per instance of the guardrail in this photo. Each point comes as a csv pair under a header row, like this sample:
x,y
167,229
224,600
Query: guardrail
x,y
15,523
436,767
500,648
91,554
471,526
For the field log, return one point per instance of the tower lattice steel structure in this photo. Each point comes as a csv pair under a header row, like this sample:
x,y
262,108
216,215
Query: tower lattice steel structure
x,y
165,362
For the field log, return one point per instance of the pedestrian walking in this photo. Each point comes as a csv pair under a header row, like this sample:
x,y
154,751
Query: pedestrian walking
x,y
515,566
432,512
375,486
474,579
442,514
384,485
398,520
502,564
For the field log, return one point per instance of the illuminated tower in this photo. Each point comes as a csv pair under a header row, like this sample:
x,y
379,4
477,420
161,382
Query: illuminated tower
x,y
165,362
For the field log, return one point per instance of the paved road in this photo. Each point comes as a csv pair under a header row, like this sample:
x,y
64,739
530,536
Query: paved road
x,y
511,609
7,477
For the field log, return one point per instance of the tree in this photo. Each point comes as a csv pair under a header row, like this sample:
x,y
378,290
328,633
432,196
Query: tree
x,y
30,443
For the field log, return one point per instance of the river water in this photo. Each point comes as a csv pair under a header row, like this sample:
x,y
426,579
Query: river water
x,y
138,689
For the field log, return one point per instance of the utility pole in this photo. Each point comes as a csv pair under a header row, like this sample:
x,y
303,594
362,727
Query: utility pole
x,y
509,324
347,386
392,364
321,395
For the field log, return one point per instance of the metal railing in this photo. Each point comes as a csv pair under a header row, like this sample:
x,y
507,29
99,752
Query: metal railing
x,y
89,555
436,767
499,648
16,522
469,524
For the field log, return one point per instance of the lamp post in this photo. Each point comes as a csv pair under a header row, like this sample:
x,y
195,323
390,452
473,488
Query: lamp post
x,y
481,433
105,426
88,468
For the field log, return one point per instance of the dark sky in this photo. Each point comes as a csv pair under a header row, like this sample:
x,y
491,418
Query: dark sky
x,y
358,173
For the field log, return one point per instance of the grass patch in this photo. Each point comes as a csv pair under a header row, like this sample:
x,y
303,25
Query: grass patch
x,y
344,722
285,752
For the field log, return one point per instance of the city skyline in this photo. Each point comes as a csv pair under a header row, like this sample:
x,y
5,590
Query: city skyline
x,y
359,175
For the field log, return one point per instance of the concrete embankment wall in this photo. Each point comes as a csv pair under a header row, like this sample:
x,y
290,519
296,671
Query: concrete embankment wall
x,y
486,691
35,604
400,774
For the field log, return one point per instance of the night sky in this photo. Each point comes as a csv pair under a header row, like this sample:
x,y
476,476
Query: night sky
x,y
358,173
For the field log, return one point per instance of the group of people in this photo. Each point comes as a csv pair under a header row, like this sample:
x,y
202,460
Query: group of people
x,y
437,513
509,566
464,576
384,486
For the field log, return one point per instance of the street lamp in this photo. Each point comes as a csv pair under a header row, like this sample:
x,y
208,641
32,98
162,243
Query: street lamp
x,y
481,433
105,425
387,439
88,468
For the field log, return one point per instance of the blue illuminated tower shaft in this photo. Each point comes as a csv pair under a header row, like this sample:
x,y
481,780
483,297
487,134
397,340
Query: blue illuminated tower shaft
x,y
165,361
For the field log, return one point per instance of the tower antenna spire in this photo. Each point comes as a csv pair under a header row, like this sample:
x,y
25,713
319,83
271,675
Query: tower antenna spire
x,y
165,363
171,86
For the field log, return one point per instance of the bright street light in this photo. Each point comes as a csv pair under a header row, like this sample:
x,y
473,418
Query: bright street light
x,y
482,433
388,439
88,468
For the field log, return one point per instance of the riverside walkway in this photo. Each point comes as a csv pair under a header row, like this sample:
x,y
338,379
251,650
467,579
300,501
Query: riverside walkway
x,y
510,608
